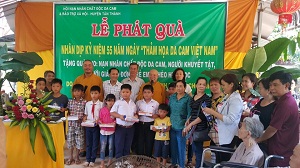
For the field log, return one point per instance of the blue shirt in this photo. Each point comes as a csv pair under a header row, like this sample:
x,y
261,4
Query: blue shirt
x,y
180,110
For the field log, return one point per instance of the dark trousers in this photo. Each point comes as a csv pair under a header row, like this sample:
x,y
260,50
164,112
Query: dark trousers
x,y
145,139
198,149
92,143
123,140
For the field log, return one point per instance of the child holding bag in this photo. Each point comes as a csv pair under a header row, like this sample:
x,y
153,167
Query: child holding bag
x,y
107,129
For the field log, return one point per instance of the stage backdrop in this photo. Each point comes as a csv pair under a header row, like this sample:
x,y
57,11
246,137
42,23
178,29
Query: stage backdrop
x,y
156,36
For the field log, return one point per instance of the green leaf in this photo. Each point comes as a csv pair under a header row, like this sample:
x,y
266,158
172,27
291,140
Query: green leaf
x,y
23,124
285,54
295,72
254,59
48,140
273,51
271,71
3,49
31,58
292,48
8,103
17,76
2,81
218,73
16,65
298,39
32,134
43,99
34,122
14,123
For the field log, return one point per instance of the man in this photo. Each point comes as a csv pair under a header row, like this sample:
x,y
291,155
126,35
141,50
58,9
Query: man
x,y
284,125
159,89
89,79
133,80
2,145
112,86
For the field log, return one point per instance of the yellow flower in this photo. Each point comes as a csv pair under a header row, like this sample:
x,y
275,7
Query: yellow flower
x,y
28,101
35,109
29,107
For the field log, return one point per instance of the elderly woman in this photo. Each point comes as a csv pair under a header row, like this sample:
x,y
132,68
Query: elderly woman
x,y
248,152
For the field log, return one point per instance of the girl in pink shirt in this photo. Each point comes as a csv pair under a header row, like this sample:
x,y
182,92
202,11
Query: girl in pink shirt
x,y
107,129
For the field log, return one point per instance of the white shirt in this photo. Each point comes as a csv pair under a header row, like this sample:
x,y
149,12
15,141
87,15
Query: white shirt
x,y
151,107
231,108
135,86
112,89
123,108
88,110
188,89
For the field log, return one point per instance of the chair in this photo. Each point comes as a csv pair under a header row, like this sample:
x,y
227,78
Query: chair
x,y
131,161
231,164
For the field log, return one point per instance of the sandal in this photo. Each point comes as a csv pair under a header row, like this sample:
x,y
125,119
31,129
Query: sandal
x,y
69,161
77,161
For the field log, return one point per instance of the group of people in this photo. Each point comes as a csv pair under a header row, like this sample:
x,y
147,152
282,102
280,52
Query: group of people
x,y
138,116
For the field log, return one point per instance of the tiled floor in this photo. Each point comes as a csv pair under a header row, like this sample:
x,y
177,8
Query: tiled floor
x,y
97,163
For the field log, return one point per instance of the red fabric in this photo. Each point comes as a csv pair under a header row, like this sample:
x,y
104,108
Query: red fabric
x,y
93,110
105,118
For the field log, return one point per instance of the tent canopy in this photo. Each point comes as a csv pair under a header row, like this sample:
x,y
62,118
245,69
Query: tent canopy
x,y
7,17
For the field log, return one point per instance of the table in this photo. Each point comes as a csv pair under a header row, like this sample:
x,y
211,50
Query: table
x,y
19,151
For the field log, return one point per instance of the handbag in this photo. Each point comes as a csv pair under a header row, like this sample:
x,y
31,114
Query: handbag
x,y
201,136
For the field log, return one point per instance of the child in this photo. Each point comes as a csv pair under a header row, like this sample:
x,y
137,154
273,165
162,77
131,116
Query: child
x,y
40,84
107,132
91,113
162,138
145,136
58,99
123,108
171,90
112,86
75,138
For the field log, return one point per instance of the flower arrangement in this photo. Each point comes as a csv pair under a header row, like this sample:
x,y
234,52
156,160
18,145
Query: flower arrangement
x,y
28,110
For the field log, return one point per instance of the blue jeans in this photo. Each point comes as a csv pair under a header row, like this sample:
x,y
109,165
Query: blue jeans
x,y
198,149
92,142
177,147
103,143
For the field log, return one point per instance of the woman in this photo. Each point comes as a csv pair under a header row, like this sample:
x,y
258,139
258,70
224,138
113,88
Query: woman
x,y
198,119
228,114
265,107
249,81
49,76
180,111
179,74
216,94
248,152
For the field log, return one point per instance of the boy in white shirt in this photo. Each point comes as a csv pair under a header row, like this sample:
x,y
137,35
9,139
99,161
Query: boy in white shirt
x,y
122,109
147,111
91,114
